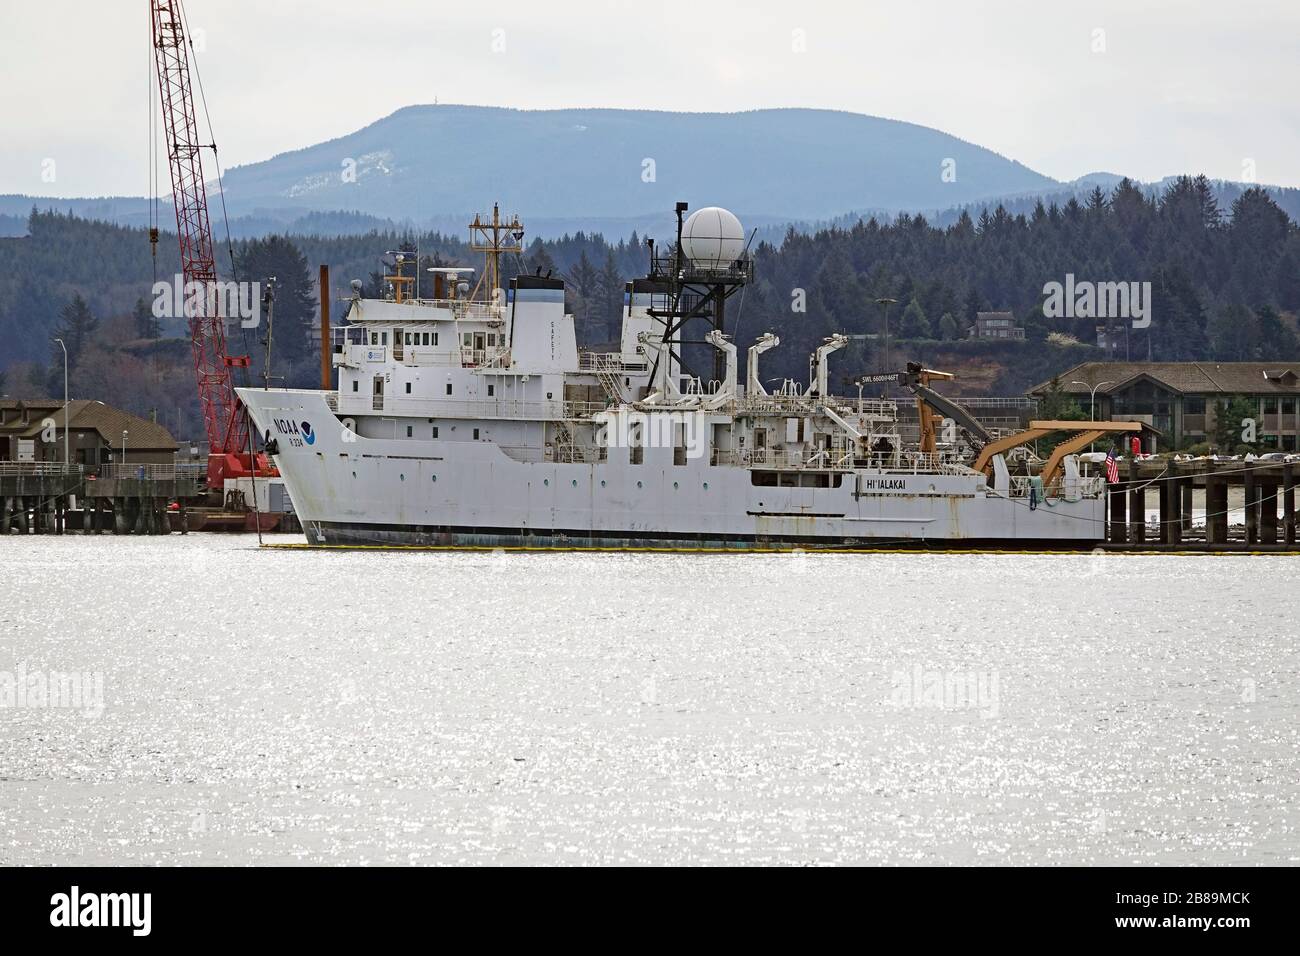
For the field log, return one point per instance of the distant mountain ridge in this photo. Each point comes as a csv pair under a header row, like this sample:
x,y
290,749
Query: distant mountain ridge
x,y
609,171
428,160
423,163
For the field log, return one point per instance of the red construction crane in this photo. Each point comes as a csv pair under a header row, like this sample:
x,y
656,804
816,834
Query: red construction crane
x,y
229,455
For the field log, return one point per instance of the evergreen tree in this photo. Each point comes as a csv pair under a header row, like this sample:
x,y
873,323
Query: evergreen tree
x,y
914,324
949,330
1057,405
1234,333
277,259
611,298
77,326
146,326
1228,418
1276,340
539,260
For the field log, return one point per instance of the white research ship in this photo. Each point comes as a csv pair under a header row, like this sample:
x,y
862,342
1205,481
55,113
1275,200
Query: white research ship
x,y
473,419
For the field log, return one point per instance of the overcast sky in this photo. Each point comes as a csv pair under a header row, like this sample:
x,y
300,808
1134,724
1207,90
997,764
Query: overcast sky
x,y
1139,87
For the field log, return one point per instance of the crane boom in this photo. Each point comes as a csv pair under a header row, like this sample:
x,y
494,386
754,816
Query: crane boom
x,y
227,429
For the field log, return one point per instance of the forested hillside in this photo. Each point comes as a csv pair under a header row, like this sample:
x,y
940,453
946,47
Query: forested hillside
x,y
1225,285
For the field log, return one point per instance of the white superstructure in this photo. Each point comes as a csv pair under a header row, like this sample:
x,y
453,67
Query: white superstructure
x,y
466,422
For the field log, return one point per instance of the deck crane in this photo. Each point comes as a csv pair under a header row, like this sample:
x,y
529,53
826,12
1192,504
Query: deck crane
x,y
917,379
229,454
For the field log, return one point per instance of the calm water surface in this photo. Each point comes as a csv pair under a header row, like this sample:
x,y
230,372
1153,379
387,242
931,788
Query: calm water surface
x,y
387,708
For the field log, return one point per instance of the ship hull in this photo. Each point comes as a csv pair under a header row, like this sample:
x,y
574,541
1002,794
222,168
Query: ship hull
x,y
354,491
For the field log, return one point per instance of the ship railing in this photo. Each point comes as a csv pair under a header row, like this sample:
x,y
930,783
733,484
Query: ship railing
x,y
570,453
825,459
608,362
1089,486
484,358
479,311
778,404
869,408
38,468
332,400
918,461
583,409
194,470
463,309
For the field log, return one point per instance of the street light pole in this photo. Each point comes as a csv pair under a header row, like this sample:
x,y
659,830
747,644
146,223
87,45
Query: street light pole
x,y
66,457
1092,401
124,433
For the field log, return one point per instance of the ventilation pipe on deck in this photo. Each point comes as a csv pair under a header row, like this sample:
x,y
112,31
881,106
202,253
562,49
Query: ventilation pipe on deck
x,y
820,370
753,385
719,341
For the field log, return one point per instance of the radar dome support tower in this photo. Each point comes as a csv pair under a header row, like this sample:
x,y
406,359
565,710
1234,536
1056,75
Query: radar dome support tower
x,y
707,265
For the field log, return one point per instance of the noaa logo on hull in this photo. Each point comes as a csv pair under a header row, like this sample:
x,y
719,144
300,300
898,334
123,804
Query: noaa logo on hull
x,y
296,434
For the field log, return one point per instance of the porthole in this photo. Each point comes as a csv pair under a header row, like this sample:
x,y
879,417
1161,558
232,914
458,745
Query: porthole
x,y
602,483
638,484
433,478
575,482
401,477
706,486
546,481
674,486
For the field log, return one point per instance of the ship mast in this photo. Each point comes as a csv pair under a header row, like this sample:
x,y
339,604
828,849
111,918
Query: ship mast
x,y
486,237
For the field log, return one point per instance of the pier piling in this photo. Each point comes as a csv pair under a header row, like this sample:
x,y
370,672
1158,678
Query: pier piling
x,y
1216,510
1137,505
1252,507
1118,532
1288,503
1267,512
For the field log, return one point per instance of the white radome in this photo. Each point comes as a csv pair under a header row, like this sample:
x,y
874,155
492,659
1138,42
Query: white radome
x,y
713,238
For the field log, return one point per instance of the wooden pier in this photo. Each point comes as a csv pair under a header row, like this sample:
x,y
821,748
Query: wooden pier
x,y
37,498
1173,484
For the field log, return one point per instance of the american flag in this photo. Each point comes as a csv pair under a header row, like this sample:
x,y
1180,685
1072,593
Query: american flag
x,y
1112,467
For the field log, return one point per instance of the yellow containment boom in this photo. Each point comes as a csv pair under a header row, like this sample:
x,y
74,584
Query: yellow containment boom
x,y
1085,434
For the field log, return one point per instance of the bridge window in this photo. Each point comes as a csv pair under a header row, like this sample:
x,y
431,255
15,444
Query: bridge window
x,y
408,388
449,388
